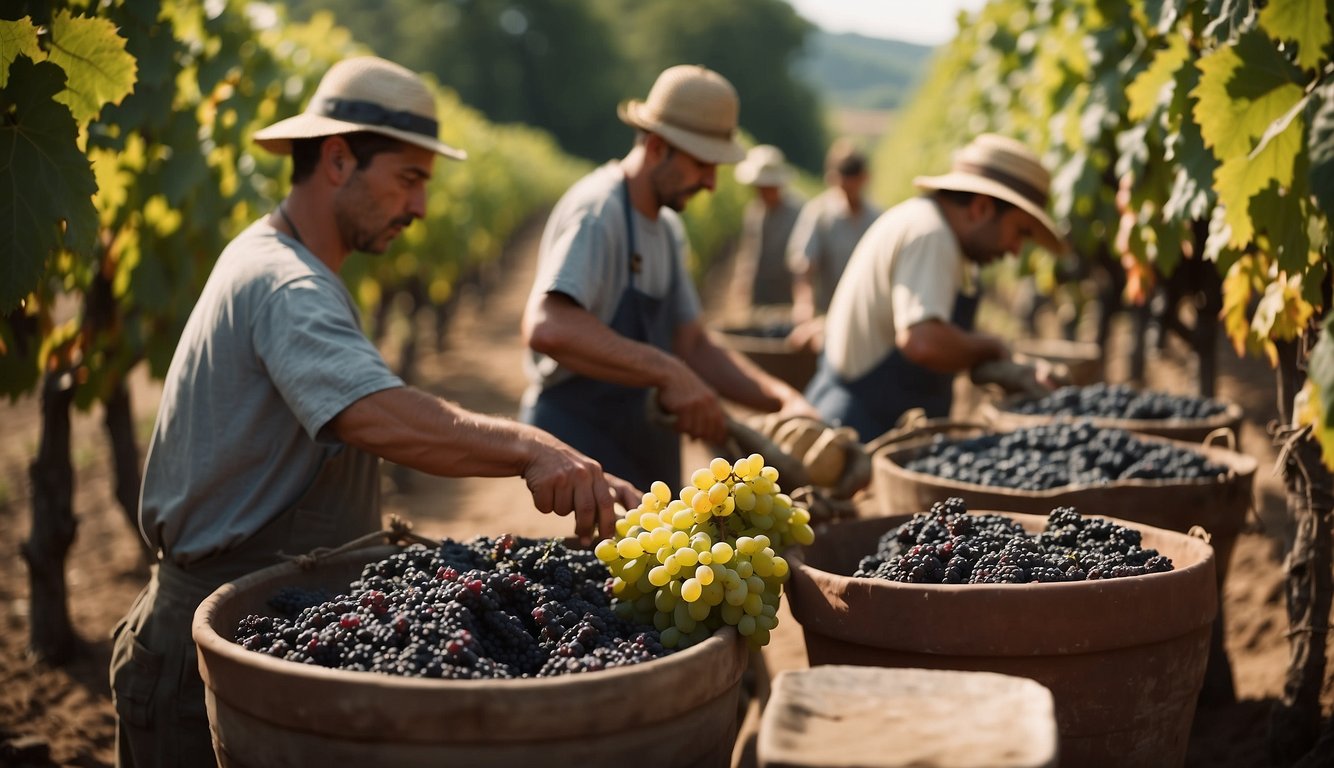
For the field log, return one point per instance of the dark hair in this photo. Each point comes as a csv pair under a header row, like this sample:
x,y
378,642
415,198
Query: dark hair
x,y
964,199
365,145
845,159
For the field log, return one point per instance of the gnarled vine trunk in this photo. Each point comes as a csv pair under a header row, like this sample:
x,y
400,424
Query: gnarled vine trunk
x,y
1296,725
51,637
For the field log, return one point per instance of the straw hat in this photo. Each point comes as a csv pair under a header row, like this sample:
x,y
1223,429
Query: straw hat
x,y
1005,169
694,109
764,166
364,93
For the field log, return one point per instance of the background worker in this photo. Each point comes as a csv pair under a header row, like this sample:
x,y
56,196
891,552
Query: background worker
x,y
613,320
827,230
760,274
276,408
901,322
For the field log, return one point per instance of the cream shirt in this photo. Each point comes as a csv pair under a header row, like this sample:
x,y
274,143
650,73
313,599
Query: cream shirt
x,y
906,269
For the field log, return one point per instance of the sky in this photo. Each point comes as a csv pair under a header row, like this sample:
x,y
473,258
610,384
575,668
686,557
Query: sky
x,y
927,22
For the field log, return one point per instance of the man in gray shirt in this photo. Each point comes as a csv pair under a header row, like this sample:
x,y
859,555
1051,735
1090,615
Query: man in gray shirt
x,y
276,409
613,318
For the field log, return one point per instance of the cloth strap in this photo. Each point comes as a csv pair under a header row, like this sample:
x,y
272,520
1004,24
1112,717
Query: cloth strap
x,y
1028,191
370,113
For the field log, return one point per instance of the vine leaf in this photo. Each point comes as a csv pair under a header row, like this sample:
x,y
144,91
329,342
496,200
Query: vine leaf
x,y
1320,146
1243,280
17,38
93,56
1249,92
1281,314
1243,89
1301,21
1239,179
1153,87
48,179
1319,411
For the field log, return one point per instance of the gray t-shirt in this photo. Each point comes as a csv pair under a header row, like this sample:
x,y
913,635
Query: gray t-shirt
x,y
585,254
823,239
273,350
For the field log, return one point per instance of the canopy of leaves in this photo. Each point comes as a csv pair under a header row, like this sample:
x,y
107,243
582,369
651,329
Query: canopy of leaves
x,y
46,202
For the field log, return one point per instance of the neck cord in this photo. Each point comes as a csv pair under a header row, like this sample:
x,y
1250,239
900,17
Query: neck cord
x,y
282,211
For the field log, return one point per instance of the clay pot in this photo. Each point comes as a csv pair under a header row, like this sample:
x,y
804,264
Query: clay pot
x,y
1124,658
1216,504
268,712
1082,359
772,355
1003,418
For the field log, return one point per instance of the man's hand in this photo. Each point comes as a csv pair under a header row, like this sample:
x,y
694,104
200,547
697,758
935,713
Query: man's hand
x,y
562,480
698,411
808,336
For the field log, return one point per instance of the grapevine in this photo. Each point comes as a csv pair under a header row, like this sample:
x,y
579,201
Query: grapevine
x,y
708,557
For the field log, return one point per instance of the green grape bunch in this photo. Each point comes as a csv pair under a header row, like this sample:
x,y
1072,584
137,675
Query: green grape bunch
x,y
708,557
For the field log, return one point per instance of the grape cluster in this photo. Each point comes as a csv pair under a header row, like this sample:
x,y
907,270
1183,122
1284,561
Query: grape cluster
x,y
504,607
1048,456
950,546
1117,401
708,557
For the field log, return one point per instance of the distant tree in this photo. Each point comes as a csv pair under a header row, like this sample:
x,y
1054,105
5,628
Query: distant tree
x,y
549,63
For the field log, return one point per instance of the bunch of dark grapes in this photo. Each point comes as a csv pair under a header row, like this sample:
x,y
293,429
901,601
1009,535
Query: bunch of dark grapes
x,y
1048,456
504,607
1117,401
949,546
290,601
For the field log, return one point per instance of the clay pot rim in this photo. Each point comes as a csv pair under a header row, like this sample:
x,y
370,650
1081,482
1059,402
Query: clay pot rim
x,y
1239,465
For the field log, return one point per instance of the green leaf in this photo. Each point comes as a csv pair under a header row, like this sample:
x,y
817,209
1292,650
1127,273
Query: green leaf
x,y
1320,146
1192,195
1283,219
1320,373
44,179
1240,178
1228,18
1154,86
1243,89
1163,14
1300,21
17,38
93,56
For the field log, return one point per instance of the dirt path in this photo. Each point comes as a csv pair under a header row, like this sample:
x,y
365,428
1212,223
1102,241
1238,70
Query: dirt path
x,y
68,710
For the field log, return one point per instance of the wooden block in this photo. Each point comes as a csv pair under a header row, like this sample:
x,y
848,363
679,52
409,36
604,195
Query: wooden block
x,y
838,716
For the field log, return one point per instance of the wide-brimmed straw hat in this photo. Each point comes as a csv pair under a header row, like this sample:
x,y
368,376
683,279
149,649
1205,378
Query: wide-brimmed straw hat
x,y
365,93
764,166
1005,169
694,109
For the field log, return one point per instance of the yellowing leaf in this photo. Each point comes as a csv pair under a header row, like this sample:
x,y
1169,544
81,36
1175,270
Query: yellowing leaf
x,y
1153,87
98,69
1241,178
1282,313
1301,21
1243,89
17,38
1240,283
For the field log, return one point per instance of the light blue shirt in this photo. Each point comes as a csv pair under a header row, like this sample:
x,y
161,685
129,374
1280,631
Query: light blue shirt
x,y
272,351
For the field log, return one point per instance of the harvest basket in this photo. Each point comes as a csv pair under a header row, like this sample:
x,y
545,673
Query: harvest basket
x,y
1123,658
267,712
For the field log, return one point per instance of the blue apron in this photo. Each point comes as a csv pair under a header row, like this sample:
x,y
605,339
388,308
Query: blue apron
x,y
609,422
873,403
